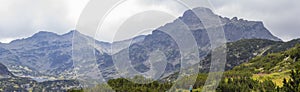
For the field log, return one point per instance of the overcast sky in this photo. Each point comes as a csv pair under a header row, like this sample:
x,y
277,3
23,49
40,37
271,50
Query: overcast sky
x,y
23,18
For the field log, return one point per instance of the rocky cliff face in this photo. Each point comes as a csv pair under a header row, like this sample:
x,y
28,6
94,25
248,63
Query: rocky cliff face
x,y
4,73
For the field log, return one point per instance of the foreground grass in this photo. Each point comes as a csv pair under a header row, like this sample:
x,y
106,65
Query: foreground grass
x,y
277,77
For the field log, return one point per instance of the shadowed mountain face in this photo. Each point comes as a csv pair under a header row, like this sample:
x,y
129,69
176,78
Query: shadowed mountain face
x,y
49,54
4,73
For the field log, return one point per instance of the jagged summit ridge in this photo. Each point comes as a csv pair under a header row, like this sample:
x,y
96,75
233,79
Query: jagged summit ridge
x,y
235,28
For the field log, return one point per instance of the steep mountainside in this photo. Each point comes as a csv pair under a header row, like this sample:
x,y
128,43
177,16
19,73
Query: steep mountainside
x,y
4,73
273,62
235,29
243,51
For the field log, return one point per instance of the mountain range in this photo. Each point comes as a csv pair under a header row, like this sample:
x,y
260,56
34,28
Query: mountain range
x,y
50,56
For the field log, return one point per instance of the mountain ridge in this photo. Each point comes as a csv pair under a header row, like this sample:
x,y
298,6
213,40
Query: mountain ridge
x,y
47,53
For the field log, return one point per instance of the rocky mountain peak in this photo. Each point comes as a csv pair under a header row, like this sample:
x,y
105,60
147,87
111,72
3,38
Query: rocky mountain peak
x,y
234,19
198,11
194,16
45,34
235,28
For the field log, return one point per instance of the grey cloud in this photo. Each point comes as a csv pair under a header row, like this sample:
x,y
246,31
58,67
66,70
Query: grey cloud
x,y
279,16
22,18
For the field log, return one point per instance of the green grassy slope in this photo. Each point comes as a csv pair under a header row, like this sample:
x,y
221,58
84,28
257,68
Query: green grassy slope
x,y
274,66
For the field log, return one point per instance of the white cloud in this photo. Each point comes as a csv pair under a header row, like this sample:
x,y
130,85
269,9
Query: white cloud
x,y
139,15
23,18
